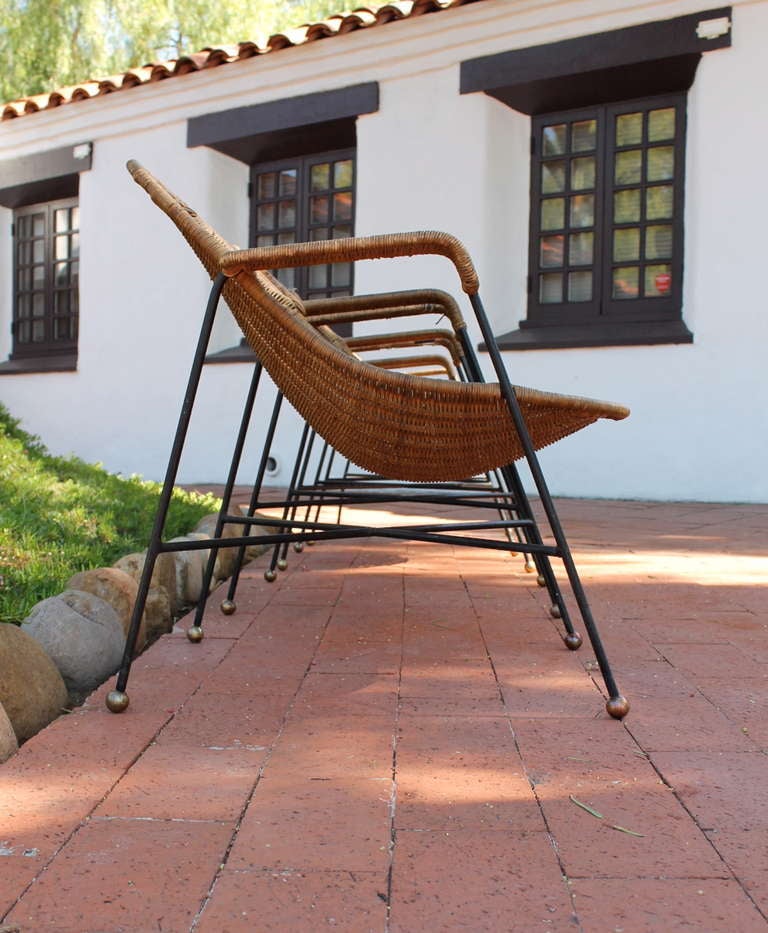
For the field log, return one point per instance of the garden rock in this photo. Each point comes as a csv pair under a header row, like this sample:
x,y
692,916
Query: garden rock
x,y
116,588
8,743
32,691
190,567
157,613
226,557
83,636
256,550
163,575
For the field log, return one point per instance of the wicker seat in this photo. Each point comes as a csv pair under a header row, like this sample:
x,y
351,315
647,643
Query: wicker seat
x,y
394,424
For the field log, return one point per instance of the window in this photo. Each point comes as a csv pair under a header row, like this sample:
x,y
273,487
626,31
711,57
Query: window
x,y
606,226
307,198
46,271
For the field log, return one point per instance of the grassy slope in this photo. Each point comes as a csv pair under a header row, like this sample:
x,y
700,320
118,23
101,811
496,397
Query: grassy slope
x,y
60,515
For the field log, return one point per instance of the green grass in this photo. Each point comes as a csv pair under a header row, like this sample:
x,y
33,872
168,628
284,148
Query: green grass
x,y
60,515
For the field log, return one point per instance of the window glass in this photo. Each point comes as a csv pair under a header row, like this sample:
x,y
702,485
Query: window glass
x,y
46,250
306,198
606,218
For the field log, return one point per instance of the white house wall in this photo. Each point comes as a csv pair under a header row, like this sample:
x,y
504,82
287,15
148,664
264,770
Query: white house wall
x,y
429,158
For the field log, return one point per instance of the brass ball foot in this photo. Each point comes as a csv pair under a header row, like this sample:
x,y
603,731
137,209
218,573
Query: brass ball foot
x,y
228,607
270,575
573,641
298,547
117,701
195,634
530,566
554,611
618,707
282,564
540,580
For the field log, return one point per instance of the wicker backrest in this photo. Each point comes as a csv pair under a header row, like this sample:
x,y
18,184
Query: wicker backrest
x,y
400,426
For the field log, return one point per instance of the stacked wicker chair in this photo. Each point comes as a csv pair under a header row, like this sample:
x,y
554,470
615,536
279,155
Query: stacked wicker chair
x,y
396,426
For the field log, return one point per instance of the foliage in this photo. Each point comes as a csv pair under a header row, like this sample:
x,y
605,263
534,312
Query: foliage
x,y
45,44
59,515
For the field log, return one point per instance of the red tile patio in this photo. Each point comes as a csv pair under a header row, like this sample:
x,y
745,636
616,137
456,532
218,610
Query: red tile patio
x,y
392,738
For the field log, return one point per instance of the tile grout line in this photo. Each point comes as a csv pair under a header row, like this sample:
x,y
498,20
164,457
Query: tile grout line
x,y
508,716
260,773
393,798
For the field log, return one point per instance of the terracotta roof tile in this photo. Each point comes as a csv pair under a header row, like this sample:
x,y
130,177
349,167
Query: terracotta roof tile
x,y
361,18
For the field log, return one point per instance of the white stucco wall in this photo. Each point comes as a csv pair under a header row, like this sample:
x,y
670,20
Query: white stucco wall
x,y
429,158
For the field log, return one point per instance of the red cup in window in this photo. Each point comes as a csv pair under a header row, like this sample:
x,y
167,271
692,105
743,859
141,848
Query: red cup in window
x,y
663,283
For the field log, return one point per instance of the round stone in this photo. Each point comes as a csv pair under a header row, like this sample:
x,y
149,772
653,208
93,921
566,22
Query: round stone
x,y
163,574
117,588
32,691
82,635
9,744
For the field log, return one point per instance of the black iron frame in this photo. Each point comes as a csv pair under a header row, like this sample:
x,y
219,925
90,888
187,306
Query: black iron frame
x,y
289,529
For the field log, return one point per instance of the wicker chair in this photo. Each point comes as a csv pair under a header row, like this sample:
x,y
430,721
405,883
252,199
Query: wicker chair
x,y
403,427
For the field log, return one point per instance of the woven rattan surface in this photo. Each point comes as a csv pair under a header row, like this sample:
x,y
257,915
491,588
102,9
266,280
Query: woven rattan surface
x,y
398,425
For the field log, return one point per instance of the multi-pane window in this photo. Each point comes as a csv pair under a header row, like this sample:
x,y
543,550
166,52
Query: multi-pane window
x,y
606,215
309,198
46,272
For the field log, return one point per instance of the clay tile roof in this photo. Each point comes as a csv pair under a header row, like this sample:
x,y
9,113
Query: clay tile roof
x,y
361,18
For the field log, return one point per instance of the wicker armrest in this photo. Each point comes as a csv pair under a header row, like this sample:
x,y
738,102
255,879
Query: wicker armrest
x,y
354,308
350,249
428,365
408,338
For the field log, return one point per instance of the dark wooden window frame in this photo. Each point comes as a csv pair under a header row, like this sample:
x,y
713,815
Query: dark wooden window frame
x,y
52,352
304,225
303,231
609,68
603,309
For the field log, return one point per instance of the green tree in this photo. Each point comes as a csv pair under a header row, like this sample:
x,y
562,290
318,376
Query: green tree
x,y
45,44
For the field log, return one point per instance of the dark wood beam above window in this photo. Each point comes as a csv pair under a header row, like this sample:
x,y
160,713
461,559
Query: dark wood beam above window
x,y
293,126
638,61
43,176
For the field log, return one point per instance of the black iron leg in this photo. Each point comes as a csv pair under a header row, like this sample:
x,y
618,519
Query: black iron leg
x,y
617,705
195,632
117,699
228,605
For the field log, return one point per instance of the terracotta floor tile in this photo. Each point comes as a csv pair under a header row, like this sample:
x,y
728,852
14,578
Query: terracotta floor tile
x,y
478,881
554,693
173,653
460,773
17,871
346,901
43,802
126,876
347,694
687,724
329,824
350,656
746,854
744,702
647,905
185,782
669,844
723,790
429,677
335,746
226,720
713,661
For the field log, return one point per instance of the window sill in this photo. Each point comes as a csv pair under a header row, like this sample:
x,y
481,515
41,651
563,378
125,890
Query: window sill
x,y
241,353
63,363
572,336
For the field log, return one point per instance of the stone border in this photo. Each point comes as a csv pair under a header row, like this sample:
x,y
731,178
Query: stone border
x,y
82,630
